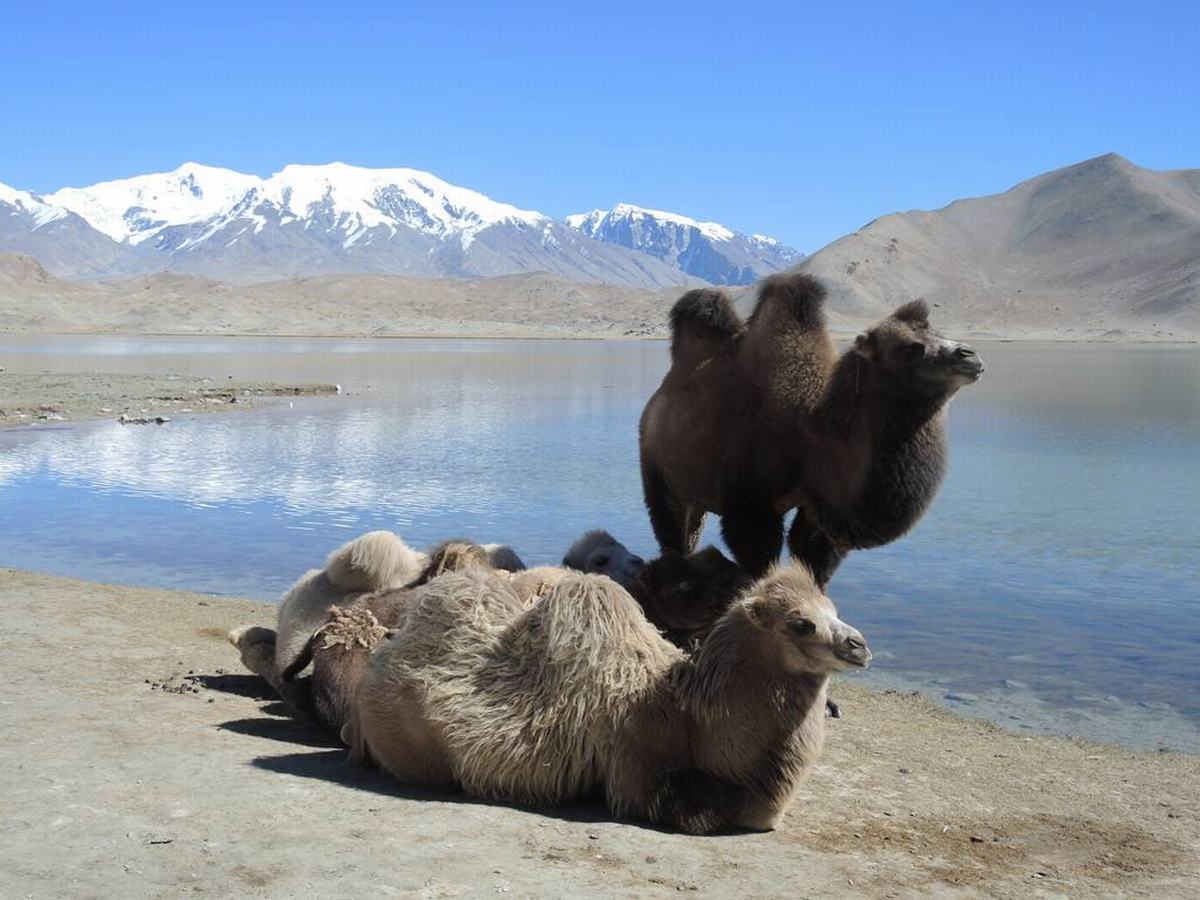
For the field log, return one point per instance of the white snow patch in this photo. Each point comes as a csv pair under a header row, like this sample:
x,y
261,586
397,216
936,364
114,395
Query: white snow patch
x,y
591,222
135,209
42,213
353,198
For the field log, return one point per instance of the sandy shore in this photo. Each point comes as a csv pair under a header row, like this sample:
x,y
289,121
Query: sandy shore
x,y
27,397
141,762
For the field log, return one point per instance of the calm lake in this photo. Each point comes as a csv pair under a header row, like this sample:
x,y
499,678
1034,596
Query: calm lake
x,y
1053,586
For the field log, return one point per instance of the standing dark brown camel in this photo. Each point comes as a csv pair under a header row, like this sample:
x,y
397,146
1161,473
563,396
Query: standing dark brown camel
x,y
760,417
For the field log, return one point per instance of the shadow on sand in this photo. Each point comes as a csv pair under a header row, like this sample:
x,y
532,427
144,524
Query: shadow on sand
x,y
333,766
250,686
331,763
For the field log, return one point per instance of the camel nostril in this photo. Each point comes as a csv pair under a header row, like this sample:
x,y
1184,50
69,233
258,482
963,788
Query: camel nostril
x,y
964,352
637,562
854,644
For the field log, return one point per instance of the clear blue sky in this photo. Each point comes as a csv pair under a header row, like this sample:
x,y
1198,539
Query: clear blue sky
x,y
799,121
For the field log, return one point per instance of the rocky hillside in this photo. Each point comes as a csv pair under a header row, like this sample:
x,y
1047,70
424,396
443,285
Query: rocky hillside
x,y
1101,248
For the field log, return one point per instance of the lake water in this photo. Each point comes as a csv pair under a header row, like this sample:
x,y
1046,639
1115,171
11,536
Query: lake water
x,y
1053,586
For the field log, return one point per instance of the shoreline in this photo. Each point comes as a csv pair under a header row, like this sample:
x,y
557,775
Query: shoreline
x,y
539,334
147,762
43,398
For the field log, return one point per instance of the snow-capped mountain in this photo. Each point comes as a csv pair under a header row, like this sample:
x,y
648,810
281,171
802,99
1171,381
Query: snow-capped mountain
x,y
705,250
309,220
61,240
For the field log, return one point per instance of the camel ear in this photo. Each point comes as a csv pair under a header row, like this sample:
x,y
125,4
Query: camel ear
x,y
864,345
915,312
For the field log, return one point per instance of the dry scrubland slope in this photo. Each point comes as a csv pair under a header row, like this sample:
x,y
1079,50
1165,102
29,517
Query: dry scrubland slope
x,y
1102,248
31,300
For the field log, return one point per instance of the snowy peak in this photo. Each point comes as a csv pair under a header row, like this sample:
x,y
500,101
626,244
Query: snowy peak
x,y
23,203
599,219
135,209
705,250
348,198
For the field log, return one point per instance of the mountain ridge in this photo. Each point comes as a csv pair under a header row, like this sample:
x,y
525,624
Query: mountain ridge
x,y
337,218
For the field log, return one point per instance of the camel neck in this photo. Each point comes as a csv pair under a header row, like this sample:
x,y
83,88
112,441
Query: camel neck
x,y
857,391
730,675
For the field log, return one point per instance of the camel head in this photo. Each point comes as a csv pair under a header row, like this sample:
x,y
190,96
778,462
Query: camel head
x,y
915,357
453,556
799,626
599,553
691,592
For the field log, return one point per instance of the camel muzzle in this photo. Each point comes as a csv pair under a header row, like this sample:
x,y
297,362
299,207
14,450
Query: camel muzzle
x,y
854,650
964,361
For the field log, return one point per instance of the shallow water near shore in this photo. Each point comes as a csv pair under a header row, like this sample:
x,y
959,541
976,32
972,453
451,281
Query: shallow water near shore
x,y
1053,586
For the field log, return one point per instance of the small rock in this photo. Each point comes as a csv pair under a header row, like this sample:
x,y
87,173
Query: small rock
x,y
976,839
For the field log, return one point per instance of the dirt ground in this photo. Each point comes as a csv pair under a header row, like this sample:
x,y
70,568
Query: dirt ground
x,y
31,397
140,762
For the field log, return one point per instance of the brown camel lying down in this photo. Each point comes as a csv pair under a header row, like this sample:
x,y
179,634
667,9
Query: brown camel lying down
x,y
579,692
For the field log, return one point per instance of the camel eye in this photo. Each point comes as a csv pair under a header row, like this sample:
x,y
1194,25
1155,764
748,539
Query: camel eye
x,y
802,627
600,560
913,350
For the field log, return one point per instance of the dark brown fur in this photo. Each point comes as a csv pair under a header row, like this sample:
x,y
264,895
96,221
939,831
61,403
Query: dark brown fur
x,y
771,420
340,651
683,596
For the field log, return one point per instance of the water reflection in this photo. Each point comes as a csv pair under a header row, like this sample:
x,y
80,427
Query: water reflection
x,y
1055,572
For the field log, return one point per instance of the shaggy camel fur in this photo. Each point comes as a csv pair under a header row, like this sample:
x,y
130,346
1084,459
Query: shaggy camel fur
x,y
348,606
341,649
682,596
754,419
378,560
599,553
580,692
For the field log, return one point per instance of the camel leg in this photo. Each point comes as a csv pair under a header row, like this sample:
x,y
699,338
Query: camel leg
x,y
697,803
754,532
809,544
667,517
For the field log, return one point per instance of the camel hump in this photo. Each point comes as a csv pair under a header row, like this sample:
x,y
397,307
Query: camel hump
x,y
800,298
702,321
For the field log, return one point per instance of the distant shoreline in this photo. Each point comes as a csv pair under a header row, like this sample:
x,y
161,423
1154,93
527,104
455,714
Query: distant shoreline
x,y
548,335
